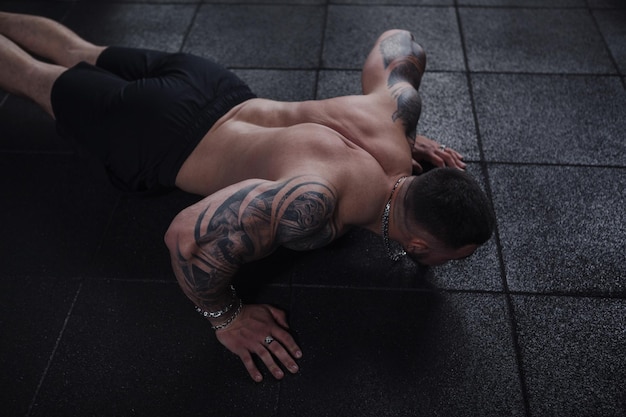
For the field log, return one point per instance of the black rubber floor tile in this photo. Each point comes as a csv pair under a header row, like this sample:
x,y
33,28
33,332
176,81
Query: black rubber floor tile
x,y
447,113
573,355
290,2
152,26
606,4
55,215
26,127
520,122
32,314
480,272
133,246
258,36
612,23
534,40
567,233
333,83
51,9
402,353
133,348
282,85
396,2
524,3
357,259
351,32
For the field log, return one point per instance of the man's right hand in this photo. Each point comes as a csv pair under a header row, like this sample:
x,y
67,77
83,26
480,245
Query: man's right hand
x,y
246,336
430,151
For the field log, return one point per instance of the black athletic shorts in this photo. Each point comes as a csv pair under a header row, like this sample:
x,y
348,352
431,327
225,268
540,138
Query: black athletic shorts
x,y
143,112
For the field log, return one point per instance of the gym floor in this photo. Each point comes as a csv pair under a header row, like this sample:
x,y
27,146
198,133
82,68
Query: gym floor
x,y
532,92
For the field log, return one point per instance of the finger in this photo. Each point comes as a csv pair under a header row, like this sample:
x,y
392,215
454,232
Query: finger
x,y
437,161
289,343
279,316
455,161
450,158
456,154
283,356
254,372
267,358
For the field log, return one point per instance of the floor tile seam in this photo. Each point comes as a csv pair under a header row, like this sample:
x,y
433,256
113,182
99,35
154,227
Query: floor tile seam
x,y
100,279
496,162
92,261
320,56
481,152
547,73
148,3
190,27
516,346
36,152
396,289
518,7
54,350
607,47
572,295
164,281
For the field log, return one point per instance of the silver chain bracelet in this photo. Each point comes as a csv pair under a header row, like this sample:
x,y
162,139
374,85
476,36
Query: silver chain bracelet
x,y
230,319
219,313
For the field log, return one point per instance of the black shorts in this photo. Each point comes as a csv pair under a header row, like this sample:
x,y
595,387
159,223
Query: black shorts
x,y
143,112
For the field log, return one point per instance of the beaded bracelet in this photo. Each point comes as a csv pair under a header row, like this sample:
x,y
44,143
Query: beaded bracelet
x,y
219,313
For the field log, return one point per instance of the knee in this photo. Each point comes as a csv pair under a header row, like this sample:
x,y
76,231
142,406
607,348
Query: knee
x,y
41,80
86,52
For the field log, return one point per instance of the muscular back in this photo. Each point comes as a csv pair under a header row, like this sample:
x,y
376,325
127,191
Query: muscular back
x,y
295,174
355,136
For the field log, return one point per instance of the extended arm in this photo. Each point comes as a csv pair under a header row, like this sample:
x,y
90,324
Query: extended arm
x,y
210,240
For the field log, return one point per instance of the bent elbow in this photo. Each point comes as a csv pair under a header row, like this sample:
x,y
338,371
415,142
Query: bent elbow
x,y
172,238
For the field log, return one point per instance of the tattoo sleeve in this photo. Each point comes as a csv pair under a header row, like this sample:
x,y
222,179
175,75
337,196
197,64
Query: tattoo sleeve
x,y
247,225
405,61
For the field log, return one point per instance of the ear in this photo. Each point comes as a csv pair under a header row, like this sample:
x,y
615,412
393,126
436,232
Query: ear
x,y
418,246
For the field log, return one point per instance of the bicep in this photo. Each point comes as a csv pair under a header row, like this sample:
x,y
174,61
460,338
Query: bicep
x,y
250,220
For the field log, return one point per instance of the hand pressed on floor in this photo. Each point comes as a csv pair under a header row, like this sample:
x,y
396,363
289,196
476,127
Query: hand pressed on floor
x,y
246,336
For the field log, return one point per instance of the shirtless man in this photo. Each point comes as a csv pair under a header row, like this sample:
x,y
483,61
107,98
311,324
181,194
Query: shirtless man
x,y
297,175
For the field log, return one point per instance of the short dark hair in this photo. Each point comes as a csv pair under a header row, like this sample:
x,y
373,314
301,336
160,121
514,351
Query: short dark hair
x,y
450,205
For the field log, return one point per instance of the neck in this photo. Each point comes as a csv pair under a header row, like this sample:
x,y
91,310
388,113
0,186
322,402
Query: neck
x,y
393,255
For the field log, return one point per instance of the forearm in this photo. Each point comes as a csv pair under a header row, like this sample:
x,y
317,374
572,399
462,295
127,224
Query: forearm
x,y
206,285
209,241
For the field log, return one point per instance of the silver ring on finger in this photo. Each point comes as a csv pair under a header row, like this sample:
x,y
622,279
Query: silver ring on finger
x,y
268,340
442,148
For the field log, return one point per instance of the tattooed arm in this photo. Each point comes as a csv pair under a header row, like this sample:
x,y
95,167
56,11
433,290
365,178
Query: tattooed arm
x,y
395,66
210,240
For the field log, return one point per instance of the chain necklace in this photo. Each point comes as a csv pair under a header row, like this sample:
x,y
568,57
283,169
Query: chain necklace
x,y
393,256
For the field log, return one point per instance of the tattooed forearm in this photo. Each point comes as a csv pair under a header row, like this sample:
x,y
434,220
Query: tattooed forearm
x,y
405,60
249,224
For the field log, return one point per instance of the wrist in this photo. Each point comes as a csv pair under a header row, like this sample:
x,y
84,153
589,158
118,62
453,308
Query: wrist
x,y
223,317
227,321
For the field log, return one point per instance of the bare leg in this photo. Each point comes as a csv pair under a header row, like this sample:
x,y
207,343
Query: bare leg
x,y
23,75
48,39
